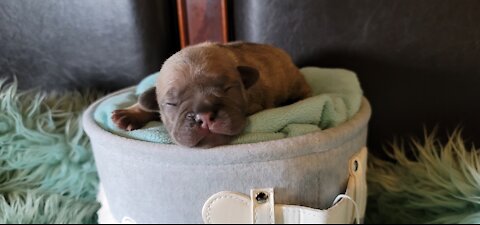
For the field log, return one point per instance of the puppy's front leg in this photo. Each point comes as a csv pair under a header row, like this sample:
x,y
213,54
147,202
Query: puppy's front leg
x,y
138,115
133,117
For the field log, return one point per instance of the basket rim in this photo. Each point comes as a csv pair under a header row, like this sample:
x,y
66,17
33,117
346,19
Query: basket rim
x,y
280,149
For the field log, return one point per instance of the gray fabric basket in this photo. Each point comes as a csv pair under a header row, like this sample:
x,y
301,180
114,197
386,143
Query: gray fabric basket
x,y
158,183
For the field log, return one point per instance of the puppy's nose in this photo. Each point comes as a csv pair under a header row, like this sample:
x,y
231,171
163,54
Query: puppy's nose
x,y
205,119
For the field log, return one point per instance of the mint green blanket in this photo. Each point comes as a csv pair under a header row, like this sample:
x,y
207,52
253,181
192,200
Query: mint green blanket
x,y
337,97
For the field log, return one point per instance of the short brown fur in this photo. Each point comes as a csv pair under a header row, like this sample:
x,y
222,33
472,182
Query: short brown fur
x,y
226,81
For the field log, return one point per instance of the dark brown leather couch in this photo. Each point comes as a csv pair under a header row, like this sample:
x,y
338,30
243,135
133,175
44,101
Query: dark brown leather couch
x,y
418,61
77,44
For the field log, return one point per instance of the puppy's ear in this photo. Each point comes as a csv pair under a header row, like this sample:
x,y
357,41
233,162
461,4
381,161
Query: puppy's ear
x,y
148,100
249,75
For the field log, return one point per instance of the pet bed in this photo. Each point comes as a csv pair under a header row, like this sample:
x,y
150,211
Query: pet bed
x,y
310,156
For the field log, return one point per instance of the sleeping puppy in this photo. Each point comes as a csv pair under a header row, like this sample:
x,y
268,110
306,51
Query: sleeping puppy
x,y
205,92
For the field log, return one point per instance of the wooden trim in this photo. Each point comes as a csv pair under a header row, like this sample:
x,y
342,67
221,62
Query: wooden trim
x,y
202,20
182,22
224,17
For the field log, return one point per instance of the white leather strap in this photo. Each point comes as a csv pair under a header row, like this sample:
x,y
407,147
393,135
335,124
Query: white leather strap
x,y
230,207
358,172
263,208
227,207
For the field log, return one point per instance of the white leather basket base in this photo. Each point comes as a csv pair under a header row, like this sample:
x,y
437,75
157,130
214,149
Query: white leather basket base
x,y
158,183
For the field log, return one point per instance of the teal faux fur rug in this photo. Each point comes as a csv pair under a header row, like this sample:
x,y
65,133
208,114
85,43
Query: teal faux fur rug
x,y
47,172
440,183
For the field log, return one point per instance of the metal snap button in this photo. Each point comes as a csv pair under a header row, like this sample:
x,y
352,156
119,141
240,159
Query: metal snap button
x,y
261,197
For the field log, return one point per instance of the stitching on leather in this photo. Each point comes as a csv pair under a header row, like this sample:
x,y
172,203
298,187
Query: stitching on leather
x,y
209,208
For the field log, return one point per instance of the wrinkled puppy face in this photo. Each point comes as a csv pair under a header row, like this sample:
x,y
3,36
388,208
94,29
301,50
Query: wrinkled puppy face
x,y
205,108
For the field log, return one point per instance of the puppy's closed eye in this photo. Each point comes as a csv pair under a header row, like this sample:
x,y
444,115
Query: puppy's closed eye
x,y
231,87
171,104
228,89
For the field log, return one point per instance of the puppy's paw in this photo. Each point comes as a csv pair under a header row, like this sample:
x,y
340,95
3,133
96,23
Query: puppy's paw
x,y
128,119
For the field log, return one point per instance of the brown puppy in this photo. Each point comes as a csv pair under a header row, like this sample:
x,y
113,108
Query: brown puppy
x,y
205,92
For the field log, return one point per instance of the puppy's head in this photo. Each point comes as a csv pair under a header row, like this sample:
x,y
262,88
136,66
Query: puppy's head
x,y
201,93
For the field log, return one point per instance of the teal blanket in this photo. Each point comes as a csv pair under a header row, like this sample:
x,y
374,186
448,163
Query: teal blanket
x,y
336,98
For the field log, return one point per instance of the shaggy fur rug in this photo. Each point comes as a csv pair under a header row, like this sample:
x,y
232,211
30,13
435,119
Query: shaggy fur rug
x,y
440,183
48,175
47,172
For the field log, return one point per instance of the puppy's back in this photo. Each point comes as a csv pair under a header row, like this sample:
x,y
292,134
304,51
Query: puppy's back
x,y
280,80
